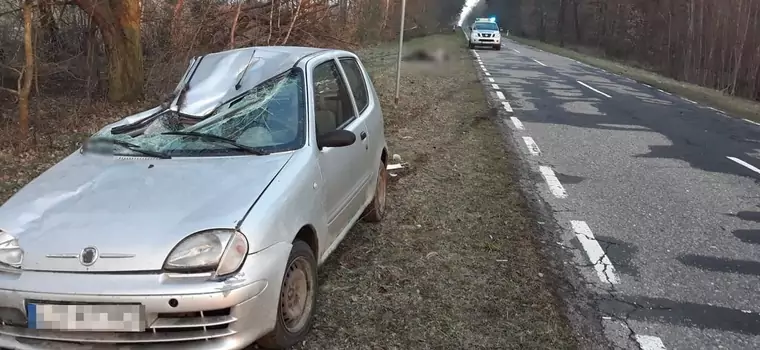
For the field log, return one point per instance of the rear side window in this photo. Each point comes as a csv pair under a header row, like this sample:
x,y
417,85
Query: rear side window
x,y
356,82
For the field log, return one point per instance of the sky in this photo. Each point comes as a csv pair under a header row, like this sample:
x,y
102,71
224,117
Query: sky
x,y
466,10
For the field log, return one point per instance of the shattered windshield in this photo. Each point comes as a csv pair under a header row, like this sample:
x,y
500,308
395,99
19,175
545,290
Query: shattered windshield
x,y
268,118
486,26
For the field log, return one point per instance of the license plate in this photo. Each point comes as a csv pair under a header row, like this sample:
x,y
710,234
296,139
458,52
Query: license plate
x,y
89,318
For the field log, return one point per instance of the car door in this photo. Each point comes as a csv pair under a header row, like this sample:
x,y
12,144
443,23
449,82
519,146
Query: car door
x,y
369,114
343,169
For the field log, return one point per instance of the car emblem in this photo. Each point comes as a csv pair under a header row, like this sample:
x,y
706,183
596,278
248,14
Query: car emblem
x,y
88,256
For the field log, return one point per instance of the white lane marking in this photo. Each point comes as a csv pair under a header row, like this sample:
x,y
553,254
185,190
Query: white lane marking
x,y
749,121
555,187
592,89
518,124
595,253
515,51
749,166
539,62
688,100
490,80
648,342
500,95
488,74
647,85
507,107
484,70
532,145
664,92
496,87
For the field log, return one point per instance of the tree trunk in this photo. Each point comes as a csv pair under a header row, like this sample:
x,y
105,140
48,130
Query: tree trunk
x,y
25,86
119,24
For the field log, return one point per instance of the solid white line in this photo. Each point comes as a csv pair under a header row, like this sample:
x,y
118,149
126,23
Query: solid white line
x,y
647,85
595,253
749,166
688,100
539,62
490,80
496,87
532,146
488,74
749,121
507,107
648,342
518,124
554,185
500,95
664,92
515,51
592,89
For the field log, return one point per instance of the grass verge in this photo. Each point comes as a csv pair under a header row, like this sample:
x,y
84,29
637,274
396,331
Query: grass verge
x,y
456,263
735,106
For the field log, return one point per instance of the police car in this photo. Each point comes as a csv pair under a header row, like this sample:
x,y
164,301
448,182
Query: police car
x,y
485,32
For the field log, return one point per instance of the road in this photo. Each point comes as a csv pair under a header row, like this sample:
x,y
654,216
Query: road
x,y
656,197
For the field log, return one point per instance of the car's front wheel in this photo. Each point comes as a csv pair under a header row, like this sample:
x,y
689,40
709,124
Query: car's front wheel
x,y
376,209
298,299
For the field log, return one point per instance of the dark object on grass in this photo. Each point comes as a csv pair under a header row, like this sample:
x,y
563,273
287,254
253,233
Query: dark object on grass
x,y
437,55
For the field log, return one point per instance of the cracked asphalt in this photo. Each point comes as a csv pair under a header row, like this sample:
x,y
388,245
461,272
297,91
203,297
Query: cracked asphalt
x,y
671,253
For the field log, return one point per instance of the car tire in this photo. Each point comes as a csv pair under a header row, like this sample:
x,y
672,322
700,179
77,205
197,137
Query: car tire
x,y
471,46
299,285
497,47
376,209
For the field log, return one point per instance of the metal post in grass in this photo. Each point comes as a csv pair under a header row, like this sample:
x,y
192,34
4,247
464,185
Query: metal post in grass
x,y
400,50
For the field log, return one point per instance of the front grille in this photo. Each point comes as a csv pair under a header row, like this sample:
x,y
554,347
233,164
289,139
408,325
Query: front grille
x,y
166,328
486,35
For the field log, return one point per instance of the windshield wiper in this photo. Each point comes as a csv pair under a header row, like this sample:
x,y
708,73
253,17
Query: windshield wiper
x,y
221,139
130,146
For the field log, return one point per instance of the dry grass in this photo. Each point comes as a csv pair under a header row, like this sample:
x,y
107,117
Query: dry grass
x,y
738,107
456,264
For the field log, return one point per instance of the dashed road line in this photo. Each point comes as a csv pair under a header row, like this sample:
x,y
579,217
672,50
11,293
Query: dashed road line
x,y
688,100
555,187
647,85
664,92
500,95
490,80
752,122
495,87
747,165
515,51
532,146
648,342
507,107
539,62
595,253
517,123
592,89
488,74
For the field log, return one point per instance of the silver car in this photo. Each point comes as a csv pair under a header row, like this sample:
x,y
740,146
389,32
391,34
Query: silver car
x,y
199,224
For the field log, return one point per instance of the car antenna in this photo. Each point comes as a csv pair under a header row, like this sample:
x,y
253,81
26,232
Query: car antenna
x,y
242,74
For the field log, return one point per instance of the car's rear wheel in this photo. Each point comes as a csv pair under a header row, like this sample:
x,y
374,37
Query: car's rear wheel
x,y
376,209
298,299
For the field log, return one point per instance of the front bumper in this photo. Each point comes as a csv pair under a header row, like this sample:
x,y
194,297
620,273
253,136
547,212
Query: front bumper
x,y
185,312
485,41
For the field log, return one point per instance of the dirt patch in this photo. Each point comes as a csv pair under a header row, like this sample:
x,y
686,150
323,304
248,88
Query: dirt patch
x,y
456,264
739,107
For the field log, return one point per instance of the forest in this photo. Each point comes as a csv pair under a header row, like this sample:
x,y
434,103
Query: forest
x,y
60,53
715,44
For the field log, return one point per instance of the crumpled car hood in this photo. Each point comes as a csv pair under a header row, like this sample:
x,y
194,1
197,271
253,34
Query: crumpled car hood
x,y
135,209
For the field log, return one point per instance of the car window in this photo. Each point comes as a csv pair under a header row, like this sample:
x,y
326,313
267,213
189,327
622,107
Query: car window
x,y
332,102
356,82
486,26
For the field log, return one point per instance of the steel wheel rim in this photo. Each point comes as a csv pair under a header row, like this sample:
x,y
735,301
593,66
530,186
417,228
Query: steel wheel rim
x,y
296,296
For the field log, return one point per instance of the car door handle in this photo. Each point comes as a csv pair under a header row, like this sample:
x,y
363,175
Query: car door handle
x,y
363,135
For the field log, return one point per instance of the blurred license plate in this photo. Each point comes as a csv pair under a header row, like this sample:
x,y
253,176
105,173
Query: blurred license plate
x,y
92,318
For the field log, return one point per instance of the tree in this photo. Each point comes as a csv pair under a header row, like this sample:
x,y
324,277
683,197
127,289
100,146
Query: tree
x,y
26,74
119,25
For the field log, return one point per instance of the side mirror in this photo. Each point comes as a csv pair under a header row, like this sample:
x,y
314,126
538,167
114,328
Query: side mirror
x,y
336,138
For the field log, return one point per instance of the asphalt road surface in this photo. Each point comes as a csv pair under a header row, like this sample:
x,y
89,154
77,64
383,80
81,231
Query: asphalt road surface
x,y
656,196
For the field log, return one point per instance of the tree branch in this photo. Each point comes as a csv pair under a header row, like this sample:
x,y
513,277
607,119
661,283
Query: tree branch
x,y
11,91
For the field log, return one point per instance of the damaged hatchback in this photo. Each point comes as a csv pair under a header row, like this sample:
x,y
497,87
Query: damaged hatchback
x,y
199,224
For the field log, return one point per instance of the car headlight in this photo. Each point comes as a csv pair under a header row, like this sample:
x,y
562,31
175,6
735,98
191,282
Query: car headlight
x,y
11,253
221,251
